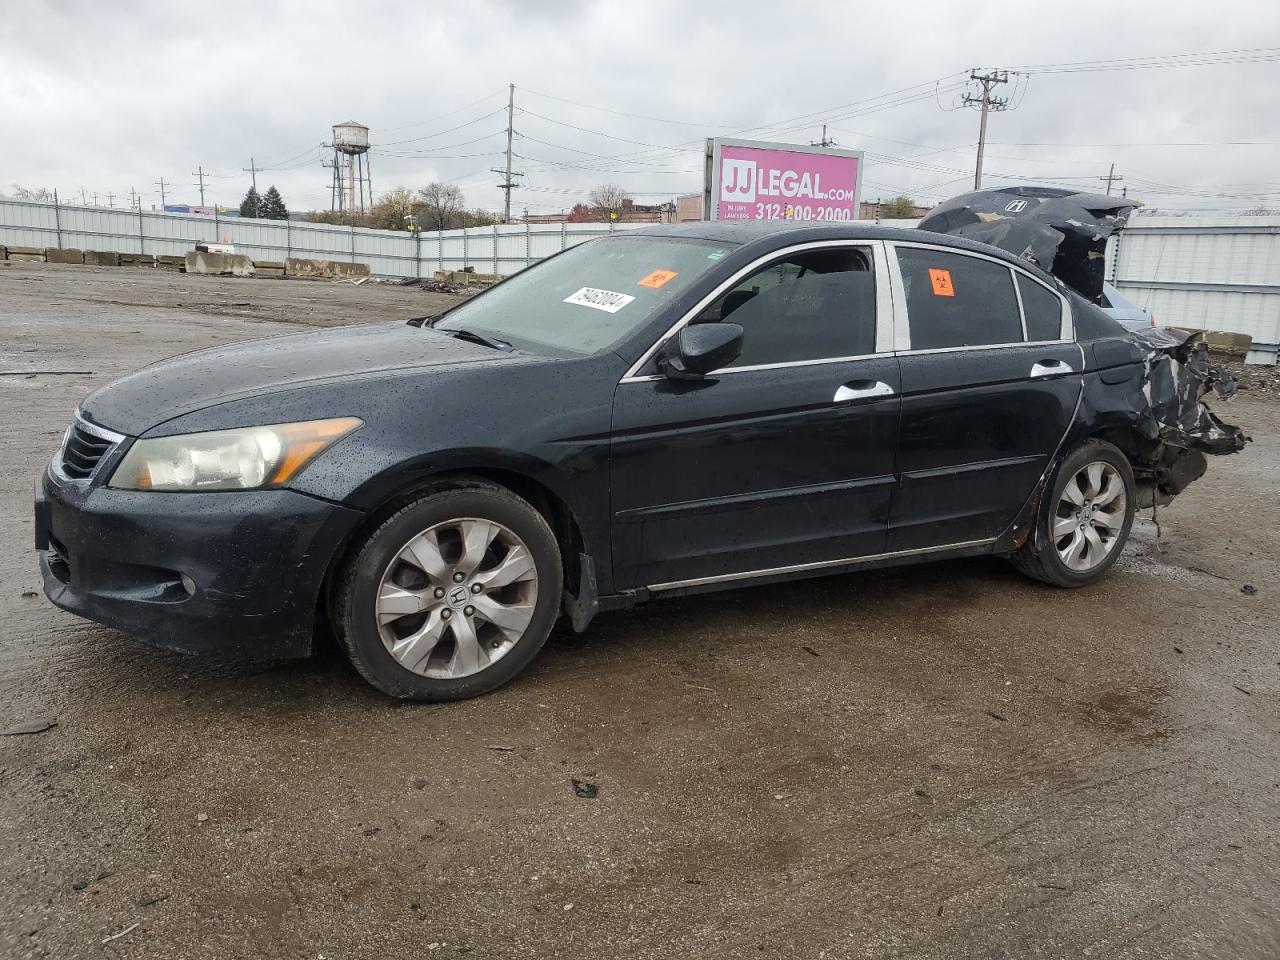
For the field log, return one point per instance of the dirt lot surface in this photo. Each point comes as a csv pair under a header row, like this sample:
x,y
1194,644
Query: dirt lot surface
x,y
944,761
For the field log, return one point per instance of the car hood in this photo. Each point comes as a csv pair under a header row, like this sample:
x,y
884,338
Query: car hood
x,y
183,384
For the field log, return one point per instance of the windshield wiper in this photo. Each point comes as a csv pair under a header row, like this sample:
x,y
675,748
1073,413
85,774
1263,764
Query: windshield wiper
x,y
472,337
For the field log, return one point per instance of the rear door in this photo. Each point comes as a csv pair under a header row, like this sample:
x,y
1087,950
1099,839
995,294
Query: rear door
x,y
991,376
782,460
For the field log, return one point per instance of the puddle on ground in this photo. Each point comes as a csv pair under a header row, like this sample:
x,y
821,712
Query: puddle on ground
x,y
1133,711
1142,555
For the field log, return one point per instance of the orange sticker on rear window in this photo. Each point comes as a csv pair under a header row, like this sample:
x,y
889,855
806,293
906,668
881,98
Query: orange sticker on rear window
x,y
941,280
658,278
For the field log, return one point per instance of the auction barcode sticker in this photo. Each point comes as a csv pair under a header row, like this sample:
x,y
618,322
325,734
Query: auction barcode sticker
x,y
605,300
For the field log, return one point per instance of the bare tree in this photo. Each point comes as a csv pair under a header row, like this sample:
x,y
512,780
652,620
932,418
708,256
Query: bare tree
x,y
899,208
442,206
31,193
607,200
391,208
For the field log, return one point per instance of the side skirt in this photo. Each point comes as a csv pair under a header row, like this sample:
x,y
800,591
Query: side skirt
x,y
684,588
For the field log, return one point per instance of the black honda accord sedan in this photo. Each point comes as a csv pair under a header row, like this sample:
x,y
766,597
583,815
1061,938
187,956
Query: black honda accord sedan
x,y
653,413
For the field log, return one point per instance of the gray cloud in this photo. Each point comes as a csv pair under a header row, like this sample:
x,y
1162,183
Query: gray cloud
x,y
113,96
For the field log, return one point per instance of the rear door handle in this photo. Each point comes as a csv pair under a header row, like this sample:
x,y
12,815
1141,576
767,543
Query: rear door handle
x,y
1050,368
861,389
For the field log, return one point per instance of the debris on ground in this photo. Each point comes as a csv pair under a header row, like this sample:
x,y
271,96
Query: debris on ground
x,y
1249,589
443,286
127,930
584,788
31,726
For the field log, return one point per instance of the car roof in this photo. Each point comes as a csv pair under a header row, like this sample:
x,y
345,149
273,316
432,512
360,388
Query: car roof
x,y
770,234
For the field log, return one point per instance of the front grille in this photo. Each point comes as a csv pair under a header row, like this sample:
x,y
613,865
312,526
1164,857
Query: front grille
x,y
83,450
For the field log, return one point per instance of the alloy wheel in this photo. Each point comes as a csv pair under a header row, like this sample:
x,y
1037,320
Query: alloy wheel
x,y
1089,516
456,598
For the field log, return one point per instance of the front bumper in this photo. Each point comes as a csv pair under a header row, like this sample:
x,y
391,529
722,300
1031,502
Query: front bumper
x,y
254,563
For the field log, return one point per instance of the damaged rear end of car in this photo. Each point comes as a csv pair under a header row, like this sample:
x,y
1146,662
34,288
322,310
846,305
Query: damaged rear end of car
x,y
1143,391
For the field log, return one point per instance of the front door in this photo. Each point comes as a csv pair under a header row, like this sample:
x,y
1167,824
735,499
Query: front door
x,y
781,460
990,382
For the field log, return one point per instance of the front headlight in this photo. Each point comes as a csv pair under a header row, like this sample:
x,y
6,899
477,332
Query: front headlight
x,y
244,459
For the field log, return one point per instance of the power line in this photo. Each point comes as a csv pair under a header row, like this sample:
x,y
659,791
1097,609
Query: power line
x,y
1111,178
987,103
508,184
253,173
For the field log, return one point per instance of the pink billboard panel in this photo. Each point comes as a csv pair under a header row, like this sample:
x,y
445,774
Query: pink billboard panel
x,y
783,182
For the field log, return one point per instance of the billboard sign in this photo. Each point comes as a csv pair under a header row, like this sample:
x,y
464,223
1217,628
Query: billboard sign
x,y
754,180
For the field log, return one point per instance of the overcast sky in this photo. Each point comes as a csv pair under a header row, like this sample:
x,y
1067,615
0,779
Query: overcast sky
x,y
106,97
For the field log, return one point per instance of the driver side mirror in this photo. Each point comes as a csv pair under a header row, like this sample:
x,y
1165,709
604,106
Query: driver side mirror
x,y
700,348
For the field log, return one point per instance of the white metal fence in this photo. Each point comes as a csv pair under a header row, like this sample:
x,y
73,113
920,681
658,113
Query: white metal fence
x,y
1211,272
390,253
1208,272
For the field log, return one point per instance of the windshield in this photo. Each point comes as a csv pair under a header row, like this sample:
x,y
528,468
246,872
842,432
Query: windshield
x,y
588,297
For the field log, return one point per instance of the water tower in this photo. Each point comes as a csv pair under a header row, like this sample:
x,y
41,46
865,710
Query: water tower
x,y
352,190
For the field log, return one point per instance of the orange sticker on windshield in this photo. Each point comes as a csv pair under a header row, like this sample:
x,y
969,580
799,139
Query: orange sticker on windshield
x,y
941,280
658,278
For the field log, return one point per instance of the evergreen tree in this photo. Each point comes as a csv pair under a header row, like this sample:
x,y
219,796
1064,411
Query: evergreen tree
x,y
251,205
272,206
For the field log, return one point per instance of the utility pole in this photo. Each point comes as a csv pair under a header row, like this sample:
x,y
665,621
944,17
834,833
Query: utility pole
x,y
199,175
825,141
111,201
988,103
135,202
1111,178
160,184
508,184
252,170
95,198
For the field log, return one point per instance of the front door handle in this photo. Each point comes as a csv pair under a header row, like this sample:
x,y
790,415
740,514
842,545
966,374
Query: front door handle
x,y
1050,368
861,389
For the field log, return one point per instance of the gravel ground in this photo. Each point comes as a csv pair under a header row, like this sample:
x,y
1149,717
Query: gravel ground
x,y
944,761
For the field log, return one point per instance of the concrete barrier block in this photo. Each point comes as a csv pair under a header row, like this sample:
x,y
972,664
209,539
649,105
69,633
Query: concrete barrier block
x,y
138,259
101,258
260,271
4,253
54,255
18,256
170,263
219,264
344,270
27,251
327,269
270,264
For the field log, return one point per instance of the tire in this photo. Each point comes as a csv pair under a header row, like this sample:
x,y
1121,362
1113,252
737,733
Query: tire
x,y
1091,535
425,613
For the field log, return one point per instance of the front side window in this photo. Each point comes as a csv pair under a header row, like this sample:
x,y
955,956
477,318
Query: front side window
x,y
590,296
816,305
958,301
1042,309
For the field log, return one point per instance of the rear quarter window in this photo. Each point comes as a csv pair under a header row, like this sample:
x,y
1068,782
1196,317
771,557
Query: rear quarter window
x,y
955,300
1042,309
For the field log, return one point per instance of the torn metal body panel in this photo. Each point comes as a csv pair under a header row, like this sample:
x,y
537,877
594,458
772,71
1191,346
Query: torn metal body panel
x,y
1062,232
1147,386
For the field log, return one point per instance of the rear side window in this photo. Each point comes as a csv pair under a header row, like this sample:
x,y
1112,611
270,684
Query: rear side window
x,y
1042,309
958,301
816,305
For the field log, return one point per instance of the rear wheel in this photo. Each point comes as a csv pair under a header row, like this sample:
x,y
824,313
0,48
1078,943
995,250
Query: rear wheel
x,y
1084,518
452,595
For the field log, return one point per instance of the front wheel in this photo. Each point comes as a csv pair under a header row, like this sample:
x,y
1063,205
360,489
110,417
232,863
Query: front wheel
x,y
1084,518
452,595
